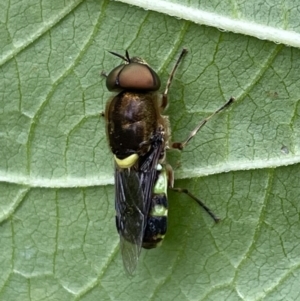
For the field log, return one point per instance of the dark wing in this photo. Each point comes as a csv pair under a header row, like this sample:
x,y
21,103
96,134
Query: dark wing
x,y
133,199
130,216
148,170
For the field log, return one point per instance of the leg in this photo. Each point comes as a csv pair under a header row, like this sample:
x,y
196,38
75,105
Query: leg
x,y
181,145
165,95
170,176
182,190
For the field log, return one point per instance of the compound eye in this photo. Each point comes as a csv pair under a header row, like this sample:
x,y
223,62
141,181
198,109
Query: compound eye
x,y
112,79
133,76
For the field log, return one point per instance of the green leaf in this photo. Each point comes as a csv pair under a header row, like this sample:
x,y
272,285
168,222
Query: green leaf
x,y
58,239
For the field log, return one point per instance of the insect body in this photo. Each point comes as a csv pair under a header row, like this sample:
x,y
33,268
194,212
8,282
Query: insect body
x,y
138,136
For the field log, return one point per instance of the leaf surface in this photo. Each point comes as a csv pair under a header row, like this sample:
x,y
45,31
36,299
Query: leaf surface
x,y
58,239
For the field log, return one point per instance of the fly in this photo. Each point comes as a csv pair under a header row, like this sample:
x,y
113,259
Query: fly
x,y
138,136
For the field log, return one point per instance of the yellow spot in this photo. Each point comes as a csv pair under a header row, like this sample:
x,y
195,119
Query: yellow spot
x,y
159,210
127,162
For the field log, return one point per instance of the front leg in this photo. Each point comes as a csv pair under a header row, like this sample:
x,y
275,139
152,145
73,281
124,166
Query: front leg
x,y
165,94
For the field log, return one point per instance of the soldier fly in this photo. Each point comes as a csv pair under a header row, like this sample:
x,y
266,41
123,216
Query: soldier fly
x,y
138,136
